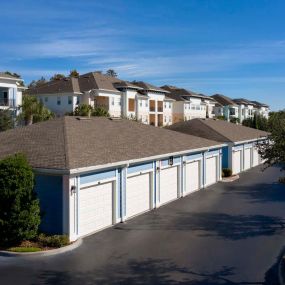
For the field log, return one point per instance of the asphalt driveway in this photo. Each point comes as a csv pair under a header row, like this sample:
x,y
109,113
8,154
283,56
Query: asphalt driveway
x,y
231,233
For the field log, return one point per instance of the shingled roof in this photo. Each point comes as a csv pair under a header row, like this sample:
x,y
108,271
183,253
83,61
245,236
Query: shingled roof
x,y
217,130
223,100
8,76
64,85
149,87
70,143
181,94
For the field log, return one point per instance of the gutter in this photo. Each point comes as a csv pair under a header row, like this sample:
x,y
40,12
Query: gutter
x,y
251,140
121,163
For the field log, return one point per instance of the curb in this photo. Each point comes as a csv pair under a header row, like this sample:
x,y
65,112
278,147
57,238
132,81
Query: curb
x,y
64,249
230,179
281,267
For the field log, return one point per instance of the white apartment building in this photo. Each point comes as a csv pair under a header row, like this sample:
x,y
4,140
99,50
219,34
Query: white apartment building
x,y
188,105
10,93
138,100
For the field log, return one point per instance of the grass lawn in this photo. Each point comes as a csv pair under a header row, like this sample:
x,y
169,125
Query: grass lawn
x,y
24,249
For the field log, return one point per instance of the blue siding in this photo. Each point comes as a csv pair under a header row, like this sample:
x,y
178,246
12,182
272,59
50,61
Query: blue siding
x,y
194,156
213,152
225,159
140,167
97,176
50,193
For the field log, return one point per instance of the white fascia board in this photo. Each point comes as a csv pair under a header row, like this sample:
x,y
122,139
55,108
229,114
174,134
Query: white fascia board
x,y
107,90
251,140
13,79
122,163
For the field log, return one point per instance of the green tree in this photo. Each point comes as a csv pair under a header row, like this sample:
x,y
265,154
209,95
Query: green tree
x,y
234,120
6,120
258,122
273,149
37,83
111,72
74,73
100,112
83,110
19,206
33,111
57,76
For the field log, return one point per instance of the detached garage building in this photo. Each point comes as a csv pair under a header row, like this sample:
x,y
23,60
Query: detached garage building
x,y
93,173
240,153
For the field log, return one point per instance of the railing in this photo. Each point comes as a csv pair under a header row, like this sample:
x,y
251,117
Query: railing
x,y
6,102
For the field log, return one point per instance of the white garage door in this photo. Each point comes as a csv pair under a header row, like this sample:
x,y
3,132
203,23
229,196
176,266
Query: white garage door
x,y
211,170
247,158
255,157
95,208
138,194
192,176
236,162
168,184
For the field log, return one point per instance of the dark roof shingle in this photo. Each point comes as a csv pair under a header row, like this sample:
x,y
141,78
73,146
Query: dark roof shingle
x,y
69,142
217,130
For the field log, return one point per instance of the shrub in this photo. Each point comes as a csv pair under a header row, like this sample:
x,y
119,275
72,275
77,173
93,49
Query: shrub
x,y
53,241
100,112
19,207
227,172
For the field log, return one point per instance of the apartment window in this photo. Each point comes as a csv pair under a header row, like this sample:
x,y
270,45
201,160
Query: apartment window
x,y
193,107
69,100
120,102
165,120
77,100
58,101
41,100
140,103
165,105
197,107
46,99
113,101
146,103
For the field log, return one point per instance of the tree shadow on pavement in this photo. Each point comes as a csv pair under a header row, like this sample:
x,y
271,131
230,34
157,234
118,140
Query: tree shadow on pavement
x,y
209,224
148,271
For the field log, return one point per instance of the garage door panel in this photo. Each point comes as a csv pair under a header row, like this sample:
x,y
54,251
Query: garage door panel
x,y
255,157
247,158
95,208
168,184
236,162
211,170
192,176
138,194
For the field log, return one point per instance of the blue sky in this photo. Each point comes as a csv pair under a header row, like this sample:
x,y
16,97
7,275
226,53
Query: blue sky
x,y
233,47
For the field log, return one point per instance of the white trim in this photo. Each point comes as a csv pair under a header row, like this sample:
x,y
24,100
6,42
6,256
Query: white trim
x,y
98,182
252,140
139,173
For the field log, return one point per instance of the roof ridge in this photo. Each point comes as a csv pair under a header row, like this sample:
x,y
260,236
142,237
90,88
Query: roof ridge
x,y
209,127
66,144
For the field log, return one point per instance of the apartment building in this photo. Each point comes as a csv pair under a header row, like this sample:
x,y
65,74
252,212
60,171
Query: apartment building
x,y
10,93
225,107
134,100
188,105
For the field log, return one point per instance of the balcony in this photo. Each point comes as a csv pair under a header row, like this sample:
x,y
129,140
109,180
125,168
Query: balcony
x,y
5,102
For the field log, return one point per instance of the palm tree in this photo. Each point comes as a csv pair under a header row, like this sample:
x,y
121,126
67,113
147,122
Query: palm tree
x,y
33,111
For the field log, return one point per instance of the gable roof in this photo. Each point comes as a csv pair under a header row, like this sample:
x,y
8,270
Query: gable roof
x,y
182,94
223,100
71,143
149,87
8,76
258,104
64,85
243,101
218,130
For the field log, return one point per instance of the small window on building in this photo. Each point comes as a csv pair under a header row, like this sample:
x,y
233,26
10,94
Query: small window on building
x,y
77,100
120,102
140,103
146,103
58,101
113,101
41,100
70,100
46,99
